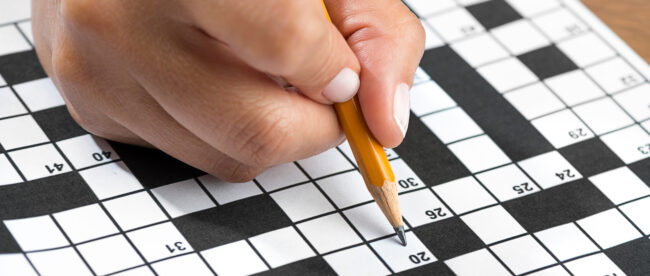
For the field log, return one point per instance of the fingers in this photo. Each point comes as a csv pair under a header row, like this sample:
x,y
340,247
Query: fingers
x,y
235,108
388,41
285,38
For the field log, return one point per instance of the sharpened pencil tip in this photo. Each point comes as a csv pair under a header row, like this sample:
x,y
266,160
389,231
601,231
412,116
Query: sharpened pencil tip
x,y
400,234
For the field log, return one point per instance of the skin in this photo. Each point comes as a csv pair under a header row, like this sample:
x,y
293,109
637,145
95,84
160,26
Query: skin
x,y
190,77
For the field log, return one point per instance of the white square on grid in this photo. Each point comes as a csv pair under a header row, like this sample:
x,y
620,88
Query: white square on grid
x,y
326,163
522,254
586,49
603,115
425,8
87,150
15,264
184,265
479,153
182,198
40,161
620,185
228,259
507,182
451,125
8,174
9,104
479,262
464,195
520,37
110,180
557,270
455,24
85,223
637,211
328,233
479,49
11,11
345,189
280,176
369,221
636,101
493,224
428,97
574,87
614,75
549,169
646,125
109,255
562,128
159,241
559,24
36,233
347,151
507,74
431,39
19,132
302,202
26,27
400,257
609,228
534,100
282,246
405,177
422,207
226,192
528,8
420,76
597,264
356,261
630,144
566,241
39,94
134,210
64,261
12,40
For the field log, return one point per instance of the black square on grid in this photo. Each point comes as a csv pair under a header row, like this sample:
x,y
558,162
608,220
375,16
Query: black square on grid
x,y
427,156
311,266
154,168
58,124
21,67
493,13
44,196
642,169
448,238
547,62
231,222
437,268
558,205
591,157
7,242
632,257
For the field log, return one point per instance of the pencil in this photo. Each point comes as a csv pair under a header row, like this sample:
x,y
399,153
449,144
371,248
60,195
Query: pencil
x,y
372,161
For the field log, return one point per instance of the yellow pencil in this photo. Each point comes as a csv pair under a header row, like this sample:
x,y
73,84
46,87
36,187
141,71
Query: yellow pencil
x,y
372,161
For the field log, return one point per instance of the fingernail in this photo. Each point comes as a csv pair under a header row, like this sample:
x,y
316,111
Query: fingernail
x,y
343,87
401,107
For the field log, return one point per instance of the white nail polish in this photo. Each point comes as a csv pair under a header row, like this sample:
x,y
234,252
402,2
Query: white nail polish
x,y
401,107
343,87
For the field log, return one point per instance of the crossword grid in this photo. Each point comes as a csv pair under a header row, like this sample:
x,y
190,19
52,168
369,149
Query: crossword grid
x,y
473,219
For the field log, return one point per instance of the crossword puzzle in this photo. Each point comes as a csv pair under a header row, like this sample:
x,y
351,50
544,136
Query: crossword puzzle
x,y
527,153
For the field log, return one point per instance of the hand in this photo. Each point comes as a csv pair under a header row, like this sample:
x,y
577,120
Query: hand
x,y
190,77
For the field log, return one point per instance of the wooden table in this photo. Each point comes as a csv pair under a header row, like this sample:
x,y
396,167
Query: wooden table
x,y
630,19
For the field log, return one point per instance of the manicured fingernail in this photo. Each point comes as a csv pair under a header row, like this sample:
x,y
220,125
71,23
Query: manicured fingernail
x,y
343,87
401,107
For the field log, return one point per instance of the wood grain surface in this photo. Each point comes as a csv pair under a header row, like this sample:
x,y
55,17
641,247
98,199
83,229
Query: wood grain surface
x,y
630,19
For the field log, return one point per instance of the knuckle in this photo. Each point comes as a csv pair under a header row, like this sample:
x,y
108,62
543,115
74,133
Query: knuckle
x,y
295,40
86,14
264,140
88,124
